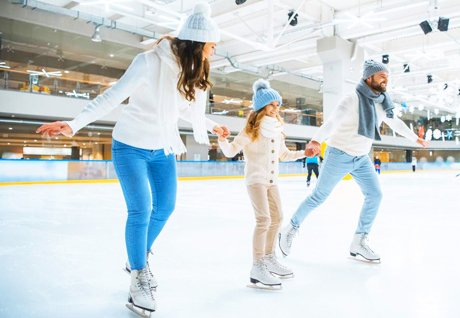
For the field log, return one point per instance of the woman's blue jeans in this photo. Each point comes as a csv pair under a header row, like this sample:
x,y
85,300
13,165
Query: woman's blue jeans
x,y
149,182
335,166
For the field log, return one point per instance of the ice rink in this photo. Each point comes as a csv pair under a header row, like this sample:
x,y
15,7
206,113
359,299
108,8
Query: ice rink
x,y
62,252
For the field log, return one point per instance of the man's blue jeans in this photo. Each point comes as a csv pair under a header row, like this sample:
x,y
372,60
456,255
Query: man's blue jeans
x,y
335,166
149,182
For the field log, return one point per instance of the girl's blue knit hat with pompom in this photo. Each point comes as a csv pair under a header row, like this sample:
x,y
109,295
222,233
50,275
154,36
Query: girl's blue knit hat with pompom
x,y
264,95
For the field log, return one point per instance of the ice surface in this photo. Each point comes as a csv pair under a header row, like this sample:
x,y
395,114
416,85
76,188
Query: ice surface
x,y
62,252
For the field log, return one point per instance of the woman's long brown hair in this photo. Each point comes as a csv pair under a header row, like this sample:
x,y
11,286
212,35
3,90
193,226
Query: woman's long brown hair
x,y
252,127
194,71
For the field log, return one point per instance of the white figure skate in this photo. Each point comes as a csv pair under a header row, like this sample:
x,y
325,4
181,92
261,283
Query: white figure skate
x,y
153,281
141,300
261,277
285,238
360,247
276,268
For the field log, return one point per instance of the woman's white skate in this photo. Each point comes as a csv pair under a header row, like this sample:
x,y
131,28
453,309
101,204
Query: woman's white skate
x,y
143,312
141,300
259,285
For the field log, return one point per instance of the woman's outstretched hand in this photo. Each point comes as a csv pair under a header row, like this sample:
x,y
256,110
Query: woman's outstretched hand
x,y
54,129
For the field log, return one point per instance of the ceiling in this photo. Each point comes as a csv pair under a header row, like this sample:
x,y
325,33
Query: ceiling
x,y
257,38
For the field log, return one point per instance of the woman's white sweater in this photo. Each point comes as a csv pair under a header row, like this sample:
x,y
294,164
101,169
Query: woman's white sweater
x,y
150,120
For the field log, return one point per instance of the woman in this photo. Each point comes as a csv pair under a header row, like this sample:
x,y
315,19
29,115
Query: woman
x,y
163,85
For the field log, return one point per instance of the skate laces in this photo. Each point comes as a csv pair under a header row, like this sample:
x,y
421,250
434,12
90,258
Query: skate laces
x,y
365,244
262,267
148,269
143,281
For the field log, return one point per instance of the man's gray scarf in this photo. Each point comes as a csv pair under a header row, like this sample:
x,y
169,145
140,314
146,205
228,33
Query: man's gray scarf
x,y
367,113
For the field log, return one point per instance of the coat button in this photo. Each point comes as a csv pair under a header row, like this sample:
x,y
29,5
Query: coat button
x,y
273,140
271,181
273,151
273,171
273,161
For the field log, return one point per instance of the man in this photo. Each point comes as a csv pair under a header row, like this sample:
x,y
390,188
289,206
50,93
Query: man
x,y
350,131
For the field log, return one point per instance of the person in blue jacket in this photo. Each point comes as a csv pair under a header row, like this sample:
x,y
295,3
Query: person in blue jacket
x,y
313,166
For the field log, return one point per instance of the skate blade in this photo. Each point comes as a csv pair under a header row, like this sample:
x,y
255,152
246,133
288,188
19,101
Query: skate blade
x,y
139,311
283,276
264,287
360,258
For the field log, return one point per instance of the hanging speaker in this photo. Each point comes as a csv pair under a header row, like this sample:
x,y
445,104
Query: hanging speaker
x,y
426,27
443,24
385,59
406,68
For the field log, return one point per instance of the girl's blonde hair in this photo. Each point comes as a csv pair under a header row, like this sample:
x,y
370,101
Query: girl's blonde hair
x,y
253,121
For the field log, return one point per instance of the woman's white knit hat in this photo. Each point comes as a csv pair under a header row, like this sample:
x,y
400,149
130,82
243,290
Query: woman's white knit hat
x,y
199,26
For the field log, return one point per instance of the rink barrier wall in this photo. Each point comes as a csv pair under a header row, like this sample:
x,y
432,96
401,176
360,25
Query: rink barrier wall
x,y
68,171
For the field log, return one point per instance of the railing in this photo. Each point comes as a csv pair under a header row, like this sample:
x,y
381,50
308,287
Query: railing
x,y
60,170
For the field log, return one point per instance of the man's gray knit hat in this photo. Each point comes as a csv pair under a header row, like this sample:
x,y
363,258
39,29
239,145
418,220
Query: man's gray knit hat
x,y
371,67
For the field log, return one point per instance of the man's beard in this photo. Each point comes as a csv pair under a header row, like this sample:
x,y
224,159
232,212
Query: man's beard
x,y
376,87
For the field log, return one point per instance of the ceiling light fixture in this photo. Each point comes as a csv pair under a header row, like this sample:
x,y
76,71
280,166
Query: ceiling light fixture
x,y
3,65
43,72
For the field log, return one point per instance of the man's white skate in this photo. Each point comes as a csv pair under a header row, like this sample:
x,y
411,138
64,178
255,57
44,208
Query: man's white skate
x,y
360,249
285,238
143,312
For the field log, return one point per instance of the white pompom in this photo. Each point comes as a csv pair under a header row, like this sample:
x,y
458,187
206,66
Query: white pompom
x,y
260,84
203,8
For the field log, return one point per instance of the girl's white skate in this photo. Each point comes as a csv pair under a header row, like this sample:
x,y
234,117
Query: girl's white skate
x,y
261,278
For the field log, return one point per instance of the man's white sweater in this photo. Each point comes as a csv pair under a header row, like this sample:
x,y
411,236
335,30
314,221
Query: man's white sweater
x,y
341,129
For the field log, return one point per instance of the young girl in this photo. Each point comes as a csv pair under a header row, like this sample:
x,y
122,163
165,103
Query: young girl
x,y
262,141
